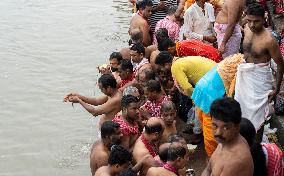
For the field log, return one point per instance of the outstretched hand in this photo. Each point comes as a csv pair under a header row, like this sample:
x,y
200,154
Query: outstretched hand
x,y
74,99
67,97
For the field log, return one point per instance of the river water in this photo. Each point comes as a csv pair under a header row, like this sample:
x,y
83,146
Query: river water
x,y
49,48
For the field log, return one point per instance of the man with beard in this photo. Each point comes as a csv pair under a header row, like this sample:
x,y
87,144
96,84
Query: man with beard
x,y
108,105
232,156
110,135
128,121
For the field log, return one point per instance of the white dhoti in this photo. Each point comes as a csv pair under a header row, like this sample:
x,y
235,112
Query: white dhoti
x,y
253,84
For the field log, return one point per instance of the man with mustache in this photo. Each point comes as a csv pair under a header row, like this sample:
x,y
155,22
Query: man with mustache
x,y
232,156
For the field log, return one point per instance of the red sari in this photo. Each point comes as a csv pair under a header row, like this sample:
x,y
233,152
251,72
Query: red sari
x,y
197,48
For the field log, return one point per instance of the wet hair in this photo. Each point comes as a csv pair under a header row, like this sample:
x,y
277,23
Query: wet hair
x,y
116,55
108,128
155,128
164,154
119,155
142,4
149,74
171,10
129,90
167,106
126,64
165,44
227,110
163,58
127,99
248,131
161,34
154,86
139,48
175,138
136,36
107,80
175,151
128,172
255,9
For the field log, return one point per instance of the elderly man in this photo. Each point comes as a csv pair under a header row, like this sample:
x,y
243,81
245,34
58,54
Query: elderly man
x,y
198,22
227,28
111,135
228,159
176,160
140,20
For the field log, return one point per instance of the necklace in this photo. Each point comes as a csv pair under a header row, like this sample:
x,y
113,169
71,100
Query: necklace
x,y
170,168
153,150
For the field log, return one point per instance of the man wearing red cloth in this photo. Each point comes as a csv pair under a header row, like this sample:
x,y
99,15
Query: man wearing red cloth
x,y
128,121
125,72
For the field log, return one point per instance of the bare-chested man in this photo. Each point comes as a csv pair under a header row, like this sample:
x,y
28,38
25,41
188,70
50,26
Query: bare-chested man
x,y
111,135
148,142
177,159
168,114
128,121
118,161
140,20
109,103
254,84
227,28
232,157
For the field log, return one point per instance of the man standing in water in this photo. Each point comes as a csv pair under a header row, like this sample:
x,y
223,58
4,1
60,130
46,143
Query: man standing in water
x,y
227,28
232,157
111,135
140,20
108,104
254,82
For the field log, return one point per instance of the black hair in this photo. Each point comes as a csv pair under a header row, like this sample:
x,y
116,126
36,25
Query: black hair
x,y
163,58
139,48
167,105
128,172
126,64
171,10
127,99
116,55
165,44
119,155
255,9
108,128
156,128
149,74
161,34
175,152
164,154
107,80
154,86
142,4
227,110
248,131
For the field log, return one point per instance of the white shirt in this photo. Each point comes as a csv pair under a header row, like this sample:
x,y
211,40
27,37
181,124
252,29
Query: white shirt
x,y
196,23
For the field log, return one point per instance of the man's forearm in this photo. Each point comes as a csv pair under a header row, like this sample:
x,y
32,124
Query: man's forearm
x,y
88,107
228,33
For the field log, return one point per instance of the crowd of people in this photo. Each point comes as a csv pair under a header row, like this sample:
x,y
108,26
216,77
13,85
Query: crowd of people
x,y
205,62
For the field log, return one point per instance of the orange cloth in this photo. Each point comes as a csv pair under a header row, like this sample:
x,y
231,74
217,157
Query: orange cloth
x,y
206,125
188,3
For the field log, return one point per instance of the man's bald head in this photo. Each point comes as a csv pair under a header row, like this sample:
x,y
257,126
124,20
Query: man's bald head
x,y
167,106
154,125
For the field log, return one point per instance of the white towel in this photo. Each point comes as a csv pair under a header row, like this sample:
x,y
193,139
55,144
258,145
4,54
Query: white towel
x,y
253,84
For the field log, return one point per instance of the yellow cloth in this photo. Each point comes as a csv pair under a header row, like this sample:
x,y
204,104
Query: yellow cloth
x,y
206,125
227,70
189,70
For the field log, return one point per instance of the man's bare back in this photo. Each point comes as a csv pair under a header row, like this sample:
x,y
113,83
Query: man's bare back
x,y
160,171
98,157
103,171
233,160
139,22
235,7
169,130
257,46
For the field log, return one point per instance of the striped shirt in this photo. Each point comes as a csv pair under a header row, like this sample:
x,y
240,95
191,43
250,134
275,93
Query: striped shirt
x,y
159,15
